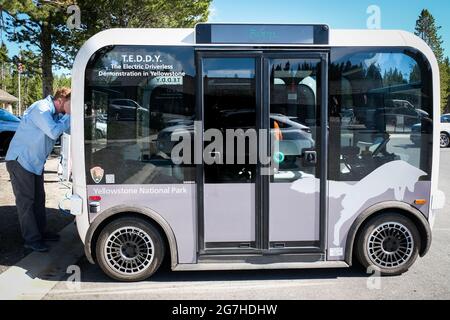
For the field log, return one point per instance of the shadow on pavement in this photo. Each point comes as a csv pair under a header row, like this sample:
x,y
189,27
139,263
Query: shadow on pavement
x,y
93,273
11,242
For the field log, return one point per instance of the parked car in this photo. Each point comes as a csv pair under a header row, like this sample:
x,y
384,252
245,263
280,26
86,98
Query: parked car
x,y
296,136
405,104
445,131
124,110
8,126
416,131
396,110
101,127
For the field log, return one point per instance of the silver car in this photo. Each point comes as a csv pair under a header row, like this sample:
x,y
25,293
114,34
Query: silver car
x,y
445,131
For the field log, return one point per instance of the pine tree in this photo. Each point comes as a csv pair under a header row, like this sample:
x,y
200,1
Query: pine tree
x,y
4,63
393,77
445,83
41,24
447,73
41,27
31,80
427,29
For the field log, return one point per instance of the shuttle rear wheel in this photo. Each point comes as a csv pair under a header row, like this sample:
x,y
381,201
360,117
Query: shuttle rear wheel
x,y
388,243
129,249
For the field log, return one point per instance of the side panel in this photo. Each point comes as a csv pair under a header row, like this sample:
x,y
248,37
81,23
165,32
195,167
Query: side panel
x,y
175,203
162,37
381,134
221,222
139,103
295,215
344,208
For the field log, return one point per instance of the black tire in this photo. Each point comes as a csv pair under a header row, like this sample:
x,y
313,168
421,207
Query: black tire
x,y
444,140
146,236
386,256
98,134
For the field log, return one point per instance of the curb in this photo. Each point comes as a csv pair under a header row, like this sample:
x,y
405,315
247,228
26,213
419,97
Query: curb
x,y
36,274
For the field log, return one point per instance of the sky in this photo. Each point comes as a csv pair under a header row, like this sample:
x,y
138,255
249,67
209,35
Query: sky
x,y
338,14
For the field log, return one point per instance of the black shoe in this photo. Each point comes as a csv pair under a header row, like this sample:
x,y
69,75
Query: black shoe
x,y
50,236
38,246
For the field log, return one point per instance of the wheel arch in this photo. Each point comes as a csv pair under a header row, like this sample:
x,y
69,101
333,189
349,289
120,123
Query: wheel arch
x,y
403,208
116,212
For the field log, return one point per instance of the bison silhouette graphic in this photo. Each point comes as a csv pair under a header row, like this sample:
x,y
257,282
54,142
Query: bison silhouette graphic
x,y
397,175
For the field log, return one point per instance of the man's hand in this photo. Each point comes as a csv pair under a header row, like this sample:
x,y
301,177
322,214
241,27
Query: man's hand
x,y
67,107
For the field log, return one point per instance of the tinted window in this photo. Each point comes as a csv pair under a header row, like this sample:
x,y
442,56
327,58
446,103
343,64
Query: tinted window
x,y
230,103
135,99
380,111
294,120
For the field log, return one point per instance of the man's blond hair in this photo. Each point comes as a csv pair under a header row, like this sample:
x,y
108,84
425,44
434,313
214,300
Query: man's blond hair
x,y
63,92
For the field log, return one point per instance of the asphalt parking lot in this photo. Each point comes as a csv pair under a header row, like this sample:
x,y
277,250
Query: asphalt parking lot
x,y
427,279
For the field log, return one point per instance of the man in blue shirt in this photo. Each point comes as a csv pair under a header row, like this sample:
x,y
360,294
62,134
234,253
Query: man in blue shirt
x,y
41,125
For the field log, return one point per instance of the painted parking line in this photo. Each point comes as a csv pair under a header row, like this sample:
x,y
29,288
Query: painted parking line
x,y
36,274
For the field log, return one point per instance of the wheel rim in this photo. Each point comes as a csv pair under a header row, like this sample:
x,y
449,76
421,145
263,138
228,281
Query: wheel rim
x,y
444,140
129,250
390,245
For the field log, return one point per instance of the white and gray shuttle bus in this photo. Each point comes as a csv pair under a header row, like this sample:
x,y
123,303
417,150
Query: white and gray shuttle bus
x,y
354,114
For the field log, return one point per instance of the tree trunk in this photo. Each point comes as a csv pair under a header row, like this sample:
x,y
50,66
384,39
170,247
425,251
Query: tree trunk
x,y
3,77
46,59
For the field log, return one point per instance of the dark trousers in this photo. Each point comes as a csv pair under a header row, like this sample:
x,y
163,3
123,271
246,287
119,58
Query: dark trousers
x,y
29,191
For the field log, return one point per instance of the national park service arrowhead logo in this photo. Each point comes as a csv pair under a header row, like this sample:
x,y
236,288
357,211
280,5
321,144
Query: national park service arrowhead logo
x,y
97,174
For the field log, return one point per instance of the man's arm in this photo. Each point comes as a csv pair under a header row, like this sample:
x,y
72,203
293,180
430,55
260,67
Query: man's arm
x,y
43,120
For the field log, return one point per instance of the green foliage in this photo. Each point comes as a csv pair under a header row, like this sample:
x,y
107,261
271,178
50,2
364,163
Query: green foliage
x,y
105,14
31,90
393,77
427,29
40,25
32,23
3,54
445,84
62,81
31,80
415,75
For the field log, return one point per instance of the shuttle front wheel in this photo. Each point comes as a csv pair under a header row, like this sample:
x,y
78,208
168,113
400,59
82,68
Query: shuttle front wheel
x,y
389,243
129,249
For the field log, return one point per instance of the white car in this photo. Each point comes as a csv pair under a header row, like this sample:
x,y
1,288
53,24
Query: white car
x,y
445,130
